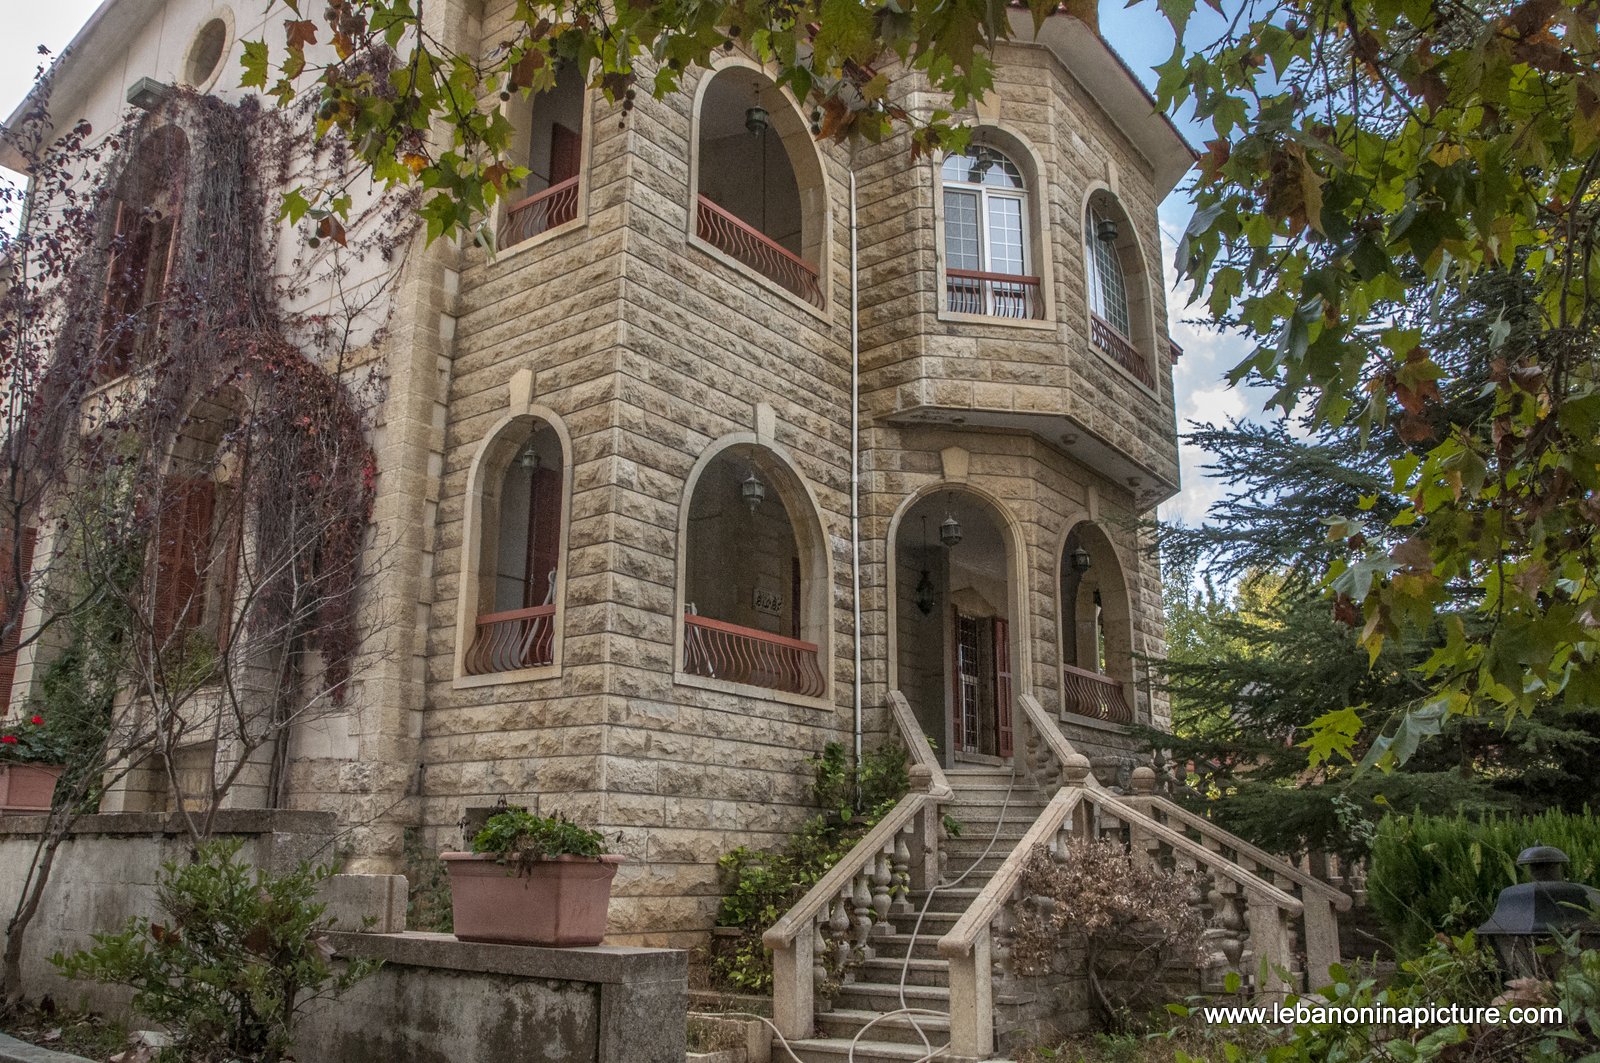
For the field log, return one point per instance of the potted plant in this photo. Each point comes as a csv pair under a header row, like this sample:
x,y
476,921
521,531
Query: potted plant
x,y
32,758
532,880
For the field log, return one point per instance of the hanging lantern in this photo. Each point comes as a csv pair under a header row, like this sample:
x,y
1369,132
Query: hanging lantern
x,y
1080,560
529,458
950,531
753,491
925,595
1106,230
756,119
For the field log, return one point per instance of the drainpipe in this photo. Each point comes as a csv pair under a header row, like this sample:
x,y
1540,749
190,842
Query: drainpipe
x,y
855,465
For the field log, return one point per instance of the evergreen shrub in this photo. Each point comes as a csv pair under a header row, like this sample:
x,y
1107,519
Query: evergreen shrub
x,y
1442,874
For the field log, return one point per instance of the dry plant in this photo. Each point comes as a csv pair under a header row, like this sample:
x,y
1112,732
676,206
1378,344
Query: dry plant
x,y
1132,919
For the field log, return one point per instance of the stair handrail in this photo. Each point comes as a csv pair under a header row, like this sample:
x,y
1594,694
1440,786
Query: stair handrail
x,y
917,745
981,912
1158,805
968,944
787,928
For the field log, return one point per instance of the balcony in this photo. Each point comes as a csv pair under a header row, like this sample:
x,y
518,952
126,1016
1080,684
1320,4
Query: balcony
x,y
992,294
715,649
1106,337
540,212
513,640
1096,696
749,246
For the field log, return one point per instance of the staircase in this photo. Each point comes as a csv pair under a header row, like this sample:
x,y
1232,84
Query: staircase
x,y
839,954
985,813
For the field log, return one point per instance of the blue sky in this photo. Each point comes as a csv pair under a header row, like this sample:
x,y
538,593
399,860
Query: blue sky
x,y
1140,34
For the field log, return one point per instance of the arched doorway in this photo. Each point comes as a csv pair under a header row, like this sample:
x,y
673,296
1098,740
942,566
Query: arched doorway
x,y
1096,628
955,637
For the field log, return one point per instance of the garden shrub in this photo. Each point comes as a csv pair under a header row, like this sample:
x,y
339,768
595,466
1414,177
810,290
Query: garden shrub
x,y
1449,971
242,951
1433,874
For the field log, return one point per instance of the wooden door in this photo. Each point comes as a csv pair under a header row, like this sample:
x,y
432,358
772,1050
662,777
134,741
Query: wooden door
x,y
544,536
966,672
1002,685
566,154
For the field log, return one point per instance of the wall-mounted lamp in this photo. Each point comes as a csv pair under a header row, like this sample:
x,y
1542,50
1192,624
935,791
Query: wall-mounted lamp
x,y
753,491
1080,560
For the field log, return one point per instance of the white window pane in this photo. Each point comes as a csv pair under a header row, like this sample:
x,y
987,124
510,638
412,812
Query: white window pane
x,y
961,239
1005,235
1108,293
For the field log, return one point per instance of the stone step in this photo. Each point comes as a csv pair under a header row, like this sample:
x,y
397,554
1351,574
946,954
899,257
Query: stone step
x,y
899,1029
839,1050
981,868
893,946
876,996
918,972
956,899
933,917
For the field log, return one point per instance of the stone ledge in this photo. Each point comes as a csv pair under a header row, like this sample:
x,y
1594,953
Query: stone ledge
x,y
225,822
1089,723
15,1051
605,964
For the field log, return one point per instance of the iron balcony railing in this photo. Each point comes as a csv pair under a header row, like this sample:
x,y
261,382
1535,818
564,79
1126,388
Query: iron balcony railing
x,y
716,649
518,638
748,245
1105,336
540,212
1094,695
992,294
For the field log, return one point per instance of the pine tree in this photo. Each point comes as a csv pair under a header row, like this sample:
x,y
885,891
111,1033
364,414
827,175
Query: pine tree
x,y
1254,672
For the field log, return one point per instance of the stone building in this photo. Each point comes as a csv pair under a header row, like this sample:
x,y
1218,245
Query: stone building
x,y
737,433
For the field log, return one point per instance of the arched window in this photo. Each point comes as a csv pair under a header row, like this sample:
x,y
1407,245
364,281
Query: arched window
x,y
1118,301
548,140
1096,629
513,586
755,576
198,536
987,242
143,247
759,189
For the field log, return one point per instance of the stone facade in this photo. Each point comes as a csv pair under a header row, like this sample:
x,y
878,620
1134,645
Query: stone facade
x,y
649,350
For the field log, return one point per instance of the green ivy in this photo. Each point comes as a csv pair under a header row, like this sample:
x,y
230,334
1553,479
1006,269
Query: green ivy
x,y
762,885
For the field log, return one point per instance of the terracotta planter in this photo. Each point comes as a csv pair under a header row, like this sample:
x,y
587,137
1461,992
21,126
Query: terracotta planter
x,y
562,903
28,787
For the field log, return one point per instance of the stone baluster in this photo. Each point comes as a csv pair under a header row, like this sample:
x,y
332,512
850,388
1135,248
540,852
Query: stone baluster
x,y
861,902
1228,918
882,886
901,886
839,931
819,961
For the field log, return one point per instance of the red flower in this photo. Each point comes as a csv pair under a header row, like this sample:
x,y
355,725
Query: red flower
x,y
8,739
38,721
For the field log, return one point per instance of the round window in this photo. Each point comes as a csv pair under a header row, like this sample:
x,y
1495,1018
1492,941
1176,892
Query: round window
x,y
205,54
